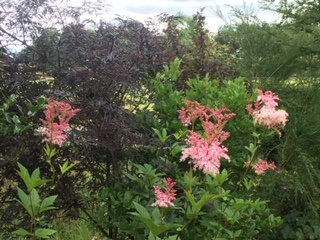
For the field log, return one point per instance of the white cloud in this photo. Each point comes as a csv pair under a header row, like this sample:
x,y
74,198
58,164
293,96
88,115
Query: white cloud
x,y
142,9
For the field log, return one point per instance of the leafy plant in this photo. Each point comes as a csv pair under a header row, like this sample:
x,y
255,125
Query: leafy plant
x,y
57,115
17,121
33,204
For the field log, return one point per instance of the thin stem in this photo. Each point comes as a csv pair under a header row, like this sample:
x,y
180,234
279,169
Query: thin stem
x,y
190,182
186,223
33,222
52,168
253,154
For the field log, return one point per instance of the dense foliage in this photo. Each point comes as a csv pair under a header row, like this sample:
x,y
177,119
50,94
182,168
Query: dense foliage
x,y
130,80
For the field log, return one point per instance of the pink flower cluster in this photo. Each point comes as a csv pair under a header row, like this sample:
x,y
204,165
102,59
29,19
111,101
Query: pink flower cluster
x,y
164,199
263,166
56,122
265,113
205,152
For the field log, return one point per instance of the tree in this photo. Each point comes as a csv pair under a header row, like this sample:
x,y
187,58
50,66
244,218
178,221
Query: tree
x,y
300,21
191,41
93,69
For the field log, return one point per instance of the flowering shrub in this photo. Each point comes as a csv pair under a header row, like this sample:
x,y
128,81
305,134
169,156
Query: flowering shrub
x,y
56,123
197,176
265,114
58,115
212,197
228,216
205,152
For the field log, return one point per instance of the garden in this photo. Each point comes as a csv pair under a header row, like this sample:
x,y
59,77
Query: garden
x,y
124,131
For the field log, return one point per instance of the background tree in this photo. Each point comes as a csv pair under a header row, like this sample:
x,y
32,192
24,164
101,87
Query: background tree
x,y
300,19
283,57
93,70
195,45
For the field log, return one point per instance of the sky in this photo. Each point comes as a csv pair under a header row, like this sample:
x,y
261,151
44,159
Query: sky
x,y
142,9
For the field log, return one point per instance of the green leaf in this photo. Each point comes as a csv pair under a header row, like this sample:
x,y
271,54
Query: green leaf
x,y
239,204
21,232
251,148
145,217
66,167
158,229
175,237
32,181
16,119
8,117
248,183
156,215
177,149
20,108
36,173
191,199
32,111
161,135
17,129
189,179
141,210
222,177
24,174
41,100
35,202
152,237
206,198
196,206
5,106
47,203
50,152
24,200
44,233
12,99
256,135
147,170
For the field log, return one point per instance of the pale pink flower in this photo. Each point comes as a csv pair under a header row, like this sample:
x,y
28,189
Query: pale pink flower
x,y
56,122
204,155
265,113
194,110
164,199
205,152
271,118
263,166
269,99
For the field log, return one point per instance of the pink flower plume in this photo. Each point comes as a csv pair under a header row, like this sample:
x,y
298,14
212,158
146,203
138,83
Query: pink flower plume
x,y
265,113
263,166
164,199
205,152
56,122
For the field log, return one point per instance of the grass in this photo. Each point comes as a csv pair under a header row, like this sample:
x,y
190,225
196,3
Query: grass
x,y
68,229
73,230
